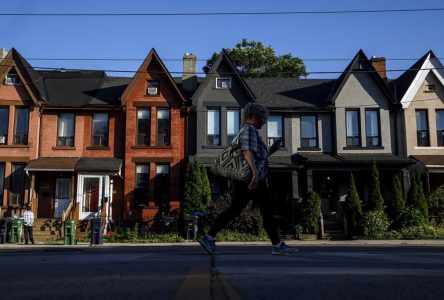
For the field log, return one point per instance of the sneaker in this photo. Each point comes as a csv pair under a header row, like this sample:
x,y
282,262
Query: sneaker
x,y
283,249
209,245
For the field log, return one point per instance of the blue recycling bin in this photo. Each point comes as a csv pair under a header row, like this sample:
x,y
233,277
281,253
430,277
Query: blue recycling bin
x,y
96,232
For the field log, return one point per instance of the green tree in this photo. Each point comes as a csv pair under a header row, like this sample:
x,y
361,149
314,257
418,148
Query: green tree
x,y
253,59
311,213
353,208
376,199
396,204
436,205
417,198
195,193
206,187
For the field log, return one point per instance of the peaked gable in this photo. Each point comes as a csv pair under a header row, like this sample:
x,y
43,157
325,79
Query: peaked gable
x,y
359,64
151,58
409,83
32,81
223,59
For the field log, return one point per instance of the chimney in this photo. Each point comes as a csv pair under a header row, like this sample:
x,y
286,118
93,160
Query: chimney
x,y
380,67
189,79
3,53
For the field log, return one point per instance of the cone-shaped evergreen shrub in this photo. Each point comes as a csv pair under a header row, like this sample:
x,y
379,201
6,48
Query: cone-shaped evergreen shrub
x,y
417,198
436,205
206,187
311,213
396,204
195,193
353,208
376,199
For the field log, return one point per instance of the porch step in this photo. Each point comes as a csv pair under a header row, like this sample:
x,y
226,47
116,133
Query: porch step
x,y
51,230
333,230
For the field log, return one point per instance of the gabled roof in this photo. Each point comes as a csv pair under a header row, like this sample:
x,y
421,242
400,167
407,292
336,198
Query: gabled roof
x,y
32,81
223,57
152,55
80,89
359,63
291,93
407,85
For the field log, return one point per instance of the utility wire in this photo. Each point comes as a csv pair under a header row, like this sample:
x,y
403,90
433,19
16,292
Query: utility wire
x,y
335,12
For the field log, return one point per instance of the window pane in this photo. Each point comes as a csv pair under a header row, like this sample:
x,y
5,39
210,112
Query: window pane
x,y
440,119
21,126
143,127
213,127
141,193
2,179
372,127
162,185
100,129
4,120
422,130
66,129
163,127
421,120
308,126
232,124
274,129
352,123
17,187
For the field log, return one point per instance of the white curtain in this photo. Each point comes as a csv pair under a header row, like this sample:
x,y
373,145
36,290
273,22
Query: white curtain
x,y
371,123
274,126
213,122
352,123
232,122
66,125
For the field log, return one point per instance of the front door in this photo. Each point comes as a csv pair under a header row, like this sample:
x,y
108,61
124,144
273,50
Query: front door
x,y
93,189
62,196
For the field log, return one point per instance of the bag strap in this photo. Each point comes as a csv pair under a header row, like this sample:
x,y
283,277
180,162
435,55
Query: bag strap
x,y
236,138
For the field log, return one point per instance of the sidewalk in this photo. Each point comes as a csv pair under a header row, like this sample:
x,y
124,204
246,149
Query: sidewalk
x,y
317,243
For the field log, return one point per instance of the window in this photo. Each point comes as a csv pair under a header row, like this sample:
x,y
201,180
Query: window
x,y
162,185
223,83
141,193
153,87
232,124
430,88
422,128
440,127
4,122
143,127
100,130
21,126
373,138
352,122
163,127
274,129
17,188
2,181
309,132
65,130
12,79
213,127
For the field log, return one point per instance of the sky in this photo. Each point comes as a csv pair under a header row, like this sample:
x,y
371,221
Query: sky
x,y
400,37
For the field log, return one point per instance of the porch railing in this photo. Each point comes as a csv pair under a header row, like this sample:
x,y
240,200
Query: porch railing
x,y
67,212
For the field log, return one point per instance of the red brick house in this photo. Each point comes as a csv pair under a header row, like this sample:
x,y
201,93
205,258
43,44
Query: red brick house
x,y
155,141
20,104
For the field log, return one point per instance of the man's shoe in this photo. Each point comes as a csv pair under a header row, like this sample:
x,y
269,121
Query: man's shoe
x,y
283,249
209,245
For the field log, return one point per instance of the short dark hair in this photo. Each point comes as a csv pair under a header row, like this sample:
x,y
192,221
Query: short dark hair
x,y
254,110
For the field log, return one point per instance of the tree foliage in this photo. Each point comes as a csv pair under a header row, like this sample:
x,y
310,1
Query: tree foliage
x,y
417,198
197,190
311,213
376,199
436,205
396,204
253,59
353,208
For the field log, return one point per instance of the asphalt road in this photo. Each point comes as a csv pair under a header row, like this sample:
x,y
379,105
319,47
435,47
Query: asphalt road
x,y
240,272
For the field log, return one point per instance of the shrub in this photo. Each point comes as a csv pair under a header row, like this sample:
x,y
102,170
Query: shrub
x,y
197,191
436,205
311,213
353,208
376,199
236,236
375,224
416,195
396,204
410,216
423,232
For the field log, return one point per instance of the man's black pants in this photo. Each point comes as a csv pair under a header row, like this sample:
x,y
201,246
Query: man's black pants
x,y
28,234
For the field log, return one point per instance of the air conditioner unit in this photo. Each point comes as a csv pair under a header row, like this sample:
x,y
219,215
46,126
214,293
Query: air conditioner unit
x,y
2,140
152,91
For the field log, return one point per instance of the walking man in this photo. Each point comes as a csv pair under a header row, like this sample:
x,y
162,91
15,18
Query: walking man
x,y
28,220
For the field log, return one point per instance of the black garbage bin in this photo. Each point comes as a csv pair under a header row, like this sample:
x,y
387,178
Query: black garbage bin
x,y
96,232
190,226
3,231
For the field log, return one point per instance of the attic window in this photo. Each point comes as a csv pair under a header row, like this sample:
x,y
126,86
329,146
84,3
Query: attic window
x,y
152,88
12,79
430,88
223,83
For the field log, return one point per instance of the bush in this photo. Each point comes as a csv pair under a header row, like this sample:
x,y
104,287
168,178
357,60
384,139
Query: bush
x,y
353,209
376,199
396,204
410,217
236,236
249,221
423,232
197,190
311,213
436,205
416,195
375,224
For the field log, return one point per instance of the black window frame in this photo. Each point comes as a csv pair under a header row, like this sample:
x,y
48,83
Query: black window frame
x,y
142,186
422,136
4,135
209,139
66,141
230,137
21,138
439,133
162,138
17,189
308,139
143,138
103,141
271,140
371,138
2,181
351,139
162,187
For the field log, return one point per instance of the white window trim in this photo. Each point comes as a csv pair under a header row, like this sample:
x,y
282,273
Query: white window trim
x,y
222,87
